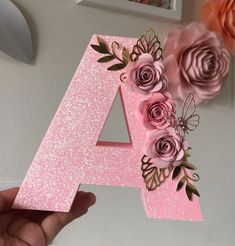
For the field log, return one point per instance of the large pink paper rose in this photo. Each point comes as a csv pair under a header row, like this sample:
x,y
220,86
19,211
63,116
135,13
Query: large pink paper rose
x,y
196,62
156,110
145,75
166,148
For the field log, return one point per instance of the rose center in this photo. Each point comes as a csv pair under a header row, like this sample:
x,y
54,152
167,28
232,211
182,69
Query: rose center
x,y
165,147
155,110
210,65
145,76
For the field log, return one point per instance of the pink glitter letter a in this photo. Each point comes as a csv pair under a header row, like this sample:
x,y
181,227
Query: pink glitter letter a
x,y
69,154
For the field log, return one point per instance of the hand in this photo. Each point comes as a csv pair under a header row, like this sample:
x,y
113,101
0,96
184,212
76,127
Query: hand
x,y
36,228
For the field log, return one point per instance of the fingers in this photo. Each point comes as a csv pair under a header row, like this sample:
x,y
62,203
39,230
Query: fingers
x,y
79,208
36,216
56,221
28,232
7,198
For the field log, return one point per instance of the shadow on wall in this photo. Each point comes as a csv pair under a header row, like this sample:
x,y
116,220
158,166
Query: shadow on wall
x,y
191,10
32,26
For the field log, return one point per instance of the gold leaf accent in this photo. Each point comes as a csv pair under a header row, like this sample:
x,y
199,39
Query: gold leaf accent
x,y
193,189
176,172
106,59
112,53
116,67
125,55
186,155
153,176
99,49
102,44
189,193
148,43
181,183
188,165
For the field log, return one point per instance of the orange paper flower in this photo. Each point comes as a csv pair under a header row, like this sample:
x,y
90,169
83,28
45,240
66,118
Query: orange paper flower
x,y
219,15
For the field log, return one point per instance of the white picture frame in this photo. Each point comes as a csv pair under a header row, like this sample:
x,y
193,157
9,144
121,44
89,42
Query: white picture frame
x,y
140,9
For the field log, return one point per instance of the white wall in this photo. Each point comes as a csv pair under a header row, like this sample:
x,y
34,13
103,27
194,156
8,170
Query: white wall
x,y
30,95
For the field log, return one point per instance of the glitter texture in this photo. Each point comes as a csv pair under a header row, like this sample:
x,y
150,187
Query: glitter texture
x,y
68,154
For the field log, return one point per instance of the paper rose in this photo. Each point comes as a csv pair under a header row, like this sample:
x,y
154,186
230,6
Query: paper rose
x,y
196,62
145,75
155,110
219,15
166,148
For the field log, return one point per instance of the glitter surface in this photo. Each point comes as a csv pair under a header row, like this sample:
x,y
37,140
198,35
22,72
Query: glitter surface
x,y
68,154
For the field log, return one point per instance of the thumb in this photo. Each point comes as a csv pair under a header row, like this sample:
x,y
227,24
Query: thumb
x,y
55,222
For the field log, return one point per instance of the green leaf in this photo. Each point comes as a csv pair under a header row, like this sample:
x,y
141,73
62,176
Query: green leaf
x,y
193,189
176,172
181,183
117,66
125,55
99,49
102,44
106,59
188,165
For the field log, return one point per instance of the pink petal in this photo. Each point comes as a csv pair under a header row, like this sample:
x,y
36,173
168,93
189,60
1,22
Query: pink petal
x,y
160,163
180,155
158,87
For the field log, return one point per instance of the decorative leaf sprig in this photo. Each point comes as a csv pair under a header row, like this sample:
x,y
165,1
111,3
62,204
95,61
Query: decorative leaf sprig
x,y
111,54
189,187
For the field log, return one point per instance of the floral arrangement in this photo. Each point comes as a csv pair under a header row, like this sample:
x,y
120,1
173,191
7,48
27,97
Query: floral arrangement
x,y
219,16
192,69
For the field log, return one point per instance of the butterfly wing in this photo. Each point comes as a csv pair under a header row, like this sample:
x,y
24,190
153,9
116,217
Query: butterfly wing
x,y
193,122
188,120
189,107
171,118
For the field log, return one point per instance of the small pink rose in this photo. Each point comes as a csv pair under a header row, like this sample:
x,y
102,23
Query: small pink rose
x,y
145,75
166,148
196,62
155,110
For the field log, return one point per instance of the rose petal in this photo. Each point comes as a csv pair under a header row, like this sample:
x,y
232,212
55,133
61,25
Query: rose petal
x,y
160,163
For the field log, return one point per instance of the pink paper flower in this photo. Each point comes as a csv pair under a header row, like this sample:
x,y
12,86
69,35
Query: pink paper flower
x,y
166,148
155,110
196,62
145,75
